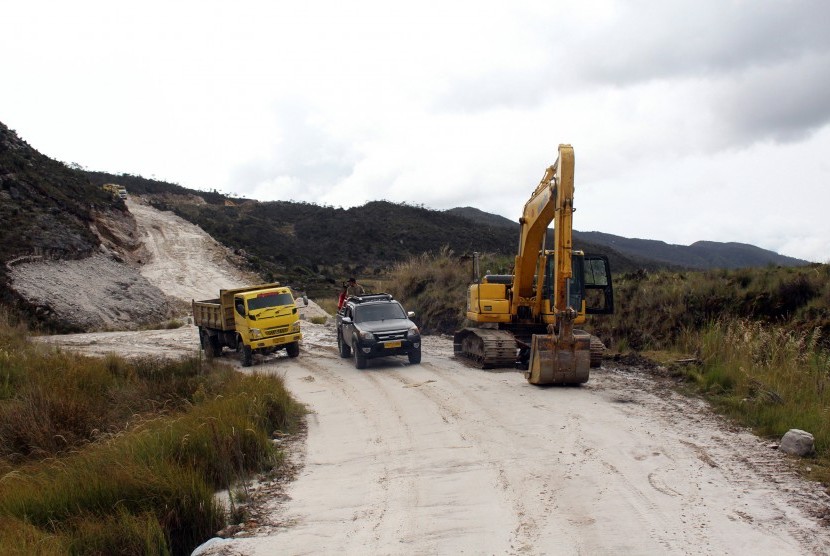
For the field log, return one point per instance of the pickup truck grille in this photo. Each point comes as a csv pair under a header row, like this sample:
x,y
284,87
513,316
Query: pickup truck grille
x,y
386,336
276,331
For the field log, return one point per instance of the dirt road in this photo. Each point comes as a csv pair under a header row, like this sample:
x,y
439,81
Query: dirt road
x,y
440,458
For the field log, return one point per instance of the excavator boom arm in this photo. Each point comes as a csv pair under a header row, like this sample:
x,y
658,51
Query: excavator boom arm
x,y
551,201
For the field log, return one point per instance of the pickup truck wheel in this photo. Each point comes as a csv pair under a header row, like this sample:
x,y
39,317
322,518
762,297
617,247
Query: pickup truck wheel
x,y
359,358
414,356
343,347
293,349
247,356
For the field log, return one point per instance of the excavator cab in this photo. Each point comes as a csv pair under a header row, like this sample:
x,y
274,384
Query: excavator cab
x,y
590,292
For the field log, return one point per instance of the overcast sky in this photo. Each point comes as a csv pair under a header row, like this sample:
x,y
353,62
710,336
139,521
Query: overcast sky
x,y
690,120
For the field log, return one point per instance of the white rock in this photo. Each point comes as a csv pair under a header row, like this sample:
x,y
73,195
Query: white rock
x,y
797,443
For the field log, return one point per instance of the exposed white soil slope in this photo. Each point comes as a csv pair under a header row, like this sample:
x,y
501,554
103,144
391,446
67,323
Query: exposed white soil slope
x,y
98,292
149,269
184,261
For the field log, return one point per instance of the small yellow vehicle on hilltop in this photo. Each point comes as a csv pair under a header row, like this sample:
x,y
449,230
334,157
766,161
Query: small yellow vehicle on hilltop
x,y
115,190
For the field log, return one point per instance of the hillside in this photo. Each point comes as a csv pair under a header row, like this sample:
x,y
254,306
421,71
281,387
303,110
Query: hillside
x,y
48,211
649,253
699,255
309,245
47,208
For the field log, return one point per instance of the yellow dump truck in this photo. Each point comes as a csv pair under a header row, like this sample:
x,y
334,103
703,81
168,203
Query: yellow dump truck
x,y
254,319
115,190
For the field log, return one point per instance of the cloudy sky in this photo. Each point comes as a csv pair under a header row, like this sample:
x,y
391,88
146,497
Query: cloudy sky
x,y
690,120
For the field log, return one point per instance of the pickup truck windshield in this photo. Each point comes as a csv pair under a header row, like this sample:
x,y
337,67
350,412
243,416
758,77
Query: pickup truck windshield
x,y
386,311
265,300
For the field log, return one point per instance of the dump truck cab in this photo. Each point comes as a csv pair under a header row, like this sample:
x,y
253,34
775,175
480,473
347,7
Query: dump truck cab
x,y
249,320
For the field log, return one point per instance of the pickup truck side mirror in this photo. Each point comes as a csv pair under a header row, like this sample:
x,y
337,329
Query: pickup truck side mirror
x,y
410,314
346,320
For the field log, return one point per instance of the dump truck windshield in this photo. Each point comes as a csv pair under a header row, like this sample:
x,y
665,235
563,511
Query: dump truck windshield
x,y
272,299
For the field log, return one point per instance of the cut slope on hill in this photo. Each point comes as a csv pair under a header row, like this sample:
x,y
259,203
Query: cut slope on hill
x,y
178,262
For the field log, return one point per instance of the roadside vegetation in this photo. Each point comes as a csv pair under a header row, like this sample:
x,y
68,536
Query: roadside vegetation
x,y
755,342
108,456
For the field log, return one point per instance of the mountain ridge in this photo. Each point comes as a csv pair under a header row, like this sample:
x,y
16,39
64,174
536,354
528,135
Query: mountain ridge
x,y
700,255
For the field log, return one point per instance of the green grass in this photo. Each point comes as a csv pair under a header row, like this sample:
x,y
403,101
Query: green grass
x,y
328,304
434,286
769,377
106,456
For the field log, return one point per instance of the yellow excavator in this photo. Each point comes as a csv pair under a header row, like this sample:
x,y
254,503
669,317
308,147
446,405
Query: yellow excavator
x,y
527,319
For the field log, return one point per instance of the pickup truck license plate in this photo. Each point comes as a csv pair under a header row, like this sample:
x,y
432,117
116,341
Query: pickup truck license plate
x,y
393,344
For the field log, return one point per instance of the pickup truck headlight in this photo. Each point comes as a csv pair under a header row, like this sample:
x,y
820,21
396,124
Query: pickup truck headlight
x,y
255,332
413,333
366,336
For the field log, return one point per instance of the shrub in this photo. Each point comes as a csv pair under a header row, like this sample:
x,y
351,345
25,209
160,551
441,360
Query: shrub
x,y
434,286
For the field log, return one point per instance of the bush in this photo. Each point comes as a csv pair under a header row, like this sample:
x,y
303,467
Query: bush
x,y
434,286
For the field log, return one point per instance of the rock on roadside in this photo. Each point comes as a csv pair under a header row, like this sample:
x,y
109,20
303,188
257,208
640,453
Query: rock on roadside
x,y
797,443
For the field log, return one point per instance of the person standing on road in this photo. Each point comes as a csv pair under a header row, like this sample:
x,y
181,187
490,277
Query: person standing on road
x,y
353,288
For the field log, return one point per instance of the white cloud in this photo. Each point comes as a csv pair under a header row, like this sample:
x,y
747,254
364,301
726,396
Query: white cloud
x,y
690,120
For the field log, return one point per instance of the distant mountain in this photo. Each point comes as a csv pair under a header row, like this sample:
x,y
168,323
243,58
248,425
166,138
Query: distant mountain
x,y
481,217
699,255
620,262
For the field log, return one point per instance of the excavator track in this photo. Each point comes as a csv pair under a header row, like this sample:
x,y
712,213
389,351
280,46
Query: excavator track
x,y
486,348
597,349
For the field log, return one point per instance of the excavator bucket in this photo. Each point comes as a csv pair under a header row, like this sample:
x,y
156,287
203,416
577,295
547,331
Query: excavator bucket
x,y
559,360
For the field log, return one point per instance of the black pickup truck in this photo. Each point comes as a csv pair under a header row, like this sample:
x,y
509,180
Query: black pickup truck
x,y
376,325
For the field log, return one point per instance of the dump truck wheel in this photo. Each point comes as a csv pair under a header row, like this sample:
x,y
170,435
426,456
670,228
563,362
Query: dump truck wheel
x,y
343,347
209,345
247,356
247,353
293,349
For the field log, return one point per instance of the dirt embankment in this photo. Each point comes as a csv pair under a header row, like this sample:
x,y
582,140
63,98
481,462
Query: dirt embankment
x,y
440,458
148,268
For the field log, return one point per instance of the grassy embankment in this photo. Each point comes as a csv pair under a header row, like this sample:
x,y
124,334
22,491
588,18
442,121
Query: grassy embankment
x,y
760,338
105,456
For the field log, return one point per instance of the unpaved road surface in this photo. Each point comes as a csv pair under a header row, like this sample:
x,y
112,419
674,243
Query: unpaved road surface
x,y
440,458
